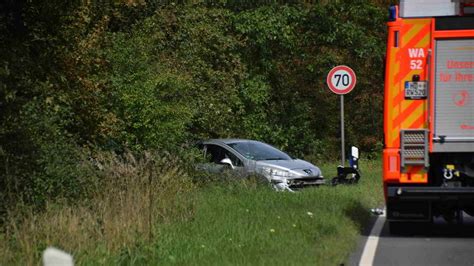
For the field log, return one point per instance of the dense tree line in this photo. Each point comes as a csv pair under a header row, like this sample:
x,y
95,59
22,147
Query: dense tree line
x,y
80,77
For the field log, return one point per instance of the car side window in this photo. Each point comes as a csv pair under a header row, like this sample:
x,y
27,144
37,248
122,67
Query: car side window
x,y
215,154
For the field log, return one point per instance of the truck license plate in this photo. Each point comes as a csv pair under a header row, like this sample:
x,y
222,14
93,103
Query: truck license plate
x,y
416,90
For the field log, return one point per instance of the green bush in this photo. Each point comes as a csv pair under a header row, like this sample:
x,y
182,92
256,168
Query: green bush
x,y
136,76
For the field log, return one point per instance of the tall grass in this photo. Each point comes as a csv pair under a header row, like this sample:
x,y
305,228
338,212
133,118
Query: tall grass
x,y
136,194
148,212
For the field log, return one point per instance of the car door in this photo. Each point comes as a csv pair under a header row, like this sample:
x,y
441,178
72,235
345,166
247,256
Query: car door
x,y
215,154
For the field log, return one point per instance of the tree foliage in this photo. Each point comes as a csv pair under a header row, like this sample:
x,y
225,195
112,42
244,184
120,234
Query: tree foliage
x,y
78,77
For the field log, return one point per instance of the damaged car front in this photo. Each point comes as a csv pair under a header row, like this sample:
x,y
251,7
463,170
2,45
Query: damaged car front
x,y
290,174
249,157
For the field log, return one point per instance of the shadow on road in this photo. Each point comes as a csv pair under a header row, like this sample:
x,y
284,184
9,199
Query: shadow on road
x,y
361,216
438,229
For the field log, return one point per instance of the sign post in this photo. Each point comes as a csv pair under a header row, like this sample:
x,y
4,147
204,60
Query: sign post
x,y
343,154
341,80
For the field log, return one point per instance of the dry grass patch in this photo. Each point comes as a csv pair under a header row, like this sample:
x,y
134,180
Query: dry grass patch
x,y
136,194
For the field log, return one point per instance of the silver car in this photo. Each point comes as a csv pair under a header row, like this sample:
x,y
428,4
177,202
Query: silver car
x,y
250,157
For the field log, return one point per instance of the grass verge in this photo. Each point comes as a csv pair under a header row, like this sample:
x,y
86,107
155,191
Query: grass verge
x,y
230,223
240,224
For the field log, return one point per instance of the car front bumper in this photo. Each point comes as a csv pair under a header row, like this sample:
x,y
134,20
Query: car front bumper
x,y
306,181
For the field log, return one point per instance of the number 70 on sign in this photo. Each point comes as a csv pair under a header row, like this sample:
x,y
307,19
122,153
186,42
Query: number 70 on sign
x,y
341,80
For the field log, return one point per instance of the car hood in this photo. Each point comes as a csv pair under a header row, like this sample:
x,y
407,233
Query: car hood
x,y
287,164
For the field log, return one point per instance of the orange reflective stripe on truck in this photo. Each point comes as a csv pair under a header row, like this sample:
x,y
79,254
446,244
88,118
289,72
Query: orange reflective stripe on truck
x,y
403,62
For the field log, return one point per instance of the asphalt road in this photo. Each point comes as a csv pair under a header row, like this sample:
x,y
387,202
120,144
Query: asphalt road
x,y
444,244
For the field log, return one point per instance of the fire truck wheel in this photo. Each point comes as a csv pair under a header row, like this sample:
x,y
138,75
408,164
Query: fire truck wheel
x,y
409,228
469,211
398,228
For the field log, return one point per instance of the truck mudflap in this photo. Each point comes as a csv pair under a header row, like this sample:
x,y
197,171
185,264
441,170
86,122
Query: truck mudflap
x,y
412,203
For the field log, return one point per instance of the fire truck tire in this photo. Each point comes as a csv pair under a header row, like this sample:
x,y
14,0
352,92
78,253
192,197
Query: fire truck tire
x,y
469,211
398,228
408,228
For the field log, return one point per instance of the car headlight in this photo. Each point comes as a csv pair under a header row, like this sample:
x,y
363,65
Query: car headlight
x,y
276,174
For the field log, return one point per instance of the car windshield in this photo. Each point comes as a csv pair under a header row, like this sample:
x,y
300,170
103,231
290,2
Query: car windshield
x,y
258,151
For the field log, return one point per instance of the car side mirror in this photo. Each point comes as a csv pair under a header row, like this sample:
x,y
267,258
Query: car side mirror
x,y
228,162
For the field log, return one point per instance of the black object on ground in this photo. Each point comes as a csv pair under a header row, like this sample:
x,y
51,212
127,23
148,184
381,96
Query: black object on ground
x,y
348,175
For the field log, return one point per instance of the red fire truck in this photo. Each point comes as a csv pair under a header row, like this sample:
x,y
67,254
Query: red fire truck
x,y
428,157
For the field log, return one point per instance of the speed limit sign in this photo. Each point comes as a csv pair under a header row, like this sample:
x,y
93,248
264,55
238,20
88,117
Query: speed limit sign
x,y
341,80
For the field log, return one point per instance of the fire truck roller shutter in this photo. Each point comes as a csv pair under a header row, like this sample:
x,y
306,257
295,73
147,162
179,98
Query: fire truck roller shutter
x,y
454,96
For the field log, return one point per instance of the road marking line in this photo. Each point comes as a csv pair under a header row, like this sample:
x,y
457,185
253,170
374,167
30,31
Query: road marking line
x,y
370,247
